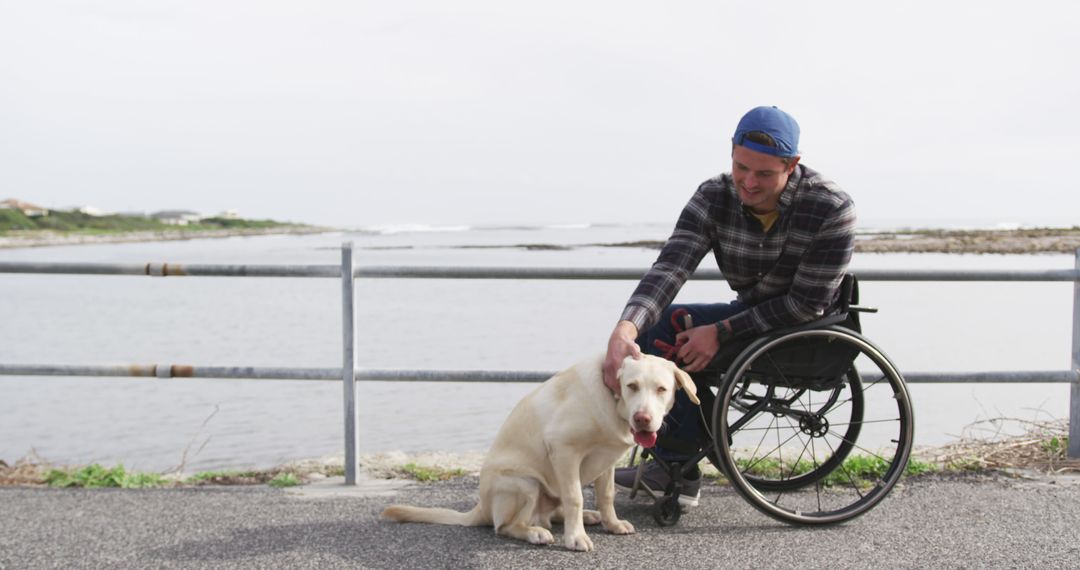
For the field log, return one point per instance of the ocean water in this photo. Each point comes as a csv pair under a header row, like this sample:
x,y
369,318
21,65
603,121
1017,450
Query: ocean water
x,y
429,324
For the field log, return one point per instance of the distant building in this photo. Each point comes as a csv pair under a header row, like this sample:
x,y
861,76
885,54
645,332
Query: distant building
x,y
229,215
90,211
26,208
176,217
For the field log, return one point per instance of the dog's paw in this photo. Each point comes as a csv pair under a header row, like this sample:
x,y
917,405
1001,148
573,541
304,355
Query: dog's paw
x,y
539,535
619,527
590,517
578,541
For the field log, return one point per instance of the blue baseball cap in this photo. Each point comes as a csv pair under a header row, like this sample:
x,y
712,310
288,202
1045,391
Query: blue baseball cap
x,y
772,121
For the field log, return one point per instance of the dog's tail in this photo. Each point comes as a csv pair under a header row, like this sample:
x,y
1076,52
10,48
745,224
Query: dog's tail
x,y
406,513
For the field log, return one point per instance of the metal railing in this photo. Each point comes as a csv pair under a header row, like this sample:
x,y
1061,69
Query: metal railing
x,y
349,374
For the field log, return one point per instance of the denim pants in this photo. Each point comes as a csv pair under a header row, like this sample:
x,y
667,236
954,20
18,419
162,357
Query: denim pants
x,y
683,422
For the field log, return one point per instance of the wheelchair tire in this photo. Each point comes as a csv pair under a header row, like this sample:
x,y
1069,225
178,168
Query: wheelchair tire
x,y
812,453
666,510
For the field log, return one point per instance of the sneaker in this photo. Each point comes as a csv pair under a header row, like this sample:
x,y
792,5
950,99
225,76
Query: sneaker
x,y
655,478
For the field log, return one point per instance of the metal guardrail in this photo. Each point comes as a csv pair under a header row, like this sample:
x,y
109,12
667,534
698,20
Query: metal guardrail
x,y
349,375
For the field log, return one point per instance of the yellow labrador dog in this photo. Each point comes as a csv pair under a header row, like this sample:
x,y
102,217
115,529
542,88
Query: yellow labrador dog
x,y
568,432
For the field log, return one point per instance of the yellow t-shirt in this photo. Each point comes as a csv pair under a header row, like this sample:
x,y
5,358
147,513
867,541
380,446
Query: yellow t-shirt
x,y
767,220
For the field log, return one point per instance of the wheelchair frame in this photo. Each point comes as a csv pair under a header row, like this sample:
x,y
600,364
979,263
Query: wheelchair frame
x,y
802,385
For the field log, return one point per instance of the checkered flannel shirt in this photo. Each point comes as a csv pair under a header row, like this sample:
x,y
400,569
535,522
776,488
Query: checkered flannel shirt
x,y
788,276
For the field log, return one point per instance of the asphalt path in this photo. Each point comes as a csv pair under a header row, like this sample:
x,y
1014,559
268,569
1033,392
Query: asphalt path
x,y
937,521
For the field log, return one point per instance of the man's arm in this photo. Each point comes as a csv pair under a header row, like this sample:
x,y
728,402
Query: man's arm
x,y
689,242
621,344
679,257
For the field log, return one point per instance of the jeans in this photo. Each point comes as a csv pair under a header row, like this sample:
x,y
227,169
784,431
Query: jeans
x,y
683,422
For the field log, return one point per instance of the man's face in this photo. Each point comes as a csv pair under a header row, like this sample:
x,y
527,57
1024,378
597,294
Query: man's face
x,y
759,178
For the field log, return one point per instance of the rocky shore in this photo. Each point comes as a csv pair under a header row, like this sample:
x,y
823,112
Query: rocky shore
x,y
1039,240
46,238
1036,240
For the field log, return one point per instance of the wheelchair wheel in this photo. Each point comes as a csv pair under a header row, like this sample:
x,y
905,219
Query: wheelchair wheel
x,y
810,448
804,407
666,511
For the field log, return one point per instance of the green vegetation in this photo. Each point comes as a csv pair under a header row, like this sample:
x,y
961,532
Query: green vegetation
x,y
284,480
1056,447
862,470
95,475
78,222
428,473
15,220
965,464
226,477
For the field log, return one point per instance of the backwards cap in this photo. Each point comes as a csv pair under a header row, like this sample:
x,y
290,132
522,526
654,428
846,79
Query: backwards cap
x,y
772,121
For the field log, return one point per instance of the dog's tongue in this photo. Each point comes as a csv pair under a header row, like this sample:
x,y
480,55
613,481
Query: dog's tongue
x,y
645,438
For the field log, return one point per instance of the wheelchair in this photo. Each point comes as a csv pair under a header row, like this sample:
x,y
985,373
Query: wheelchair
x,y
812,424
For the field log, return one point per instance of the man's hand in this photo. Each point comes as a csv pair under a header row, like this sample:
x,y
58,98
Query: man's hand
x,y
620,345
697,347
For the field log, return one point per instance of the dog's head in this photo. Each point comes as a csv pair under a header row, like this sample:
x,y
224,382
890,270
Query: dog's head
x,y
647,391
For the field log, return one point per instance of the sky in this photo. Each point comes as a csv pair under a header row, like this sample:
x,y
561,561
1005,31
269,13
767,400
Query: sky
x,y
359,113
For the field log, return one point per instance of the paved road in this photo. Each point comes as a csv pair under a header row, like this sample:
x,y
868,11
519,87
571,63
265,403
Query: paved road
x,y
939,522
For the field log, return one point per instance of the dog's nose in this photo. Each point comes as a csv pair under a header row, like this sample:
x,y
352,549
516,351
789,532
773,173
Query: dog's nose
x,y
642,419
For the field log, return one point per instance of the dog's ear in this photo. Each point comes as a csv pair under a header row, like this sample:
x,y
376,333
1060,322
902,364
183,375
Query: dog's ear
x,y
686,383
618,379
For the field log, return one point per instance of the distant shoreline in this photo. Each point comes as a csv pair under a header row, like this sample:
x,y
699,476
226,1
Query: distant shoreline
x,y
1040,240
50,239
1014,241
1025,241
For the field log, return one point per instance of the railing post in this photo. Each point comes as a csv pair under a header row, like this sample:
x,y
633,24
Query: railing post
x,y
348,368
1074,388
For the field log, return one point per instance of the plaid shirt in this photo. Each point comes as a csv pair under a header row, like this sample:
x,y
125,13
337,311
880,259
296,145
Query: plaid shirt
x,y
789,275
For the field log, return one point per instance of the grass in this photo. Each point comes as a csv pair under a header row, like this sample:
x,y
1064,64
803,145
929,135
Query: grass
x,y
863,470
284,480
227,478
1043,448
428,474
1055,446
96,476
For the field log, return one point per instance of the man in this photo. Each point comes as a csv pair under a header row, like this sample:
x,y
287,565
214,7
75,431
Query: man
x,y
782,236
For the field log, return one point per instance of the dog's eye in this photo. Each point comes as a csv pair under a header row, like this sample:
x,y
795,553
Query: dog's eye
x,y
633,387
661,390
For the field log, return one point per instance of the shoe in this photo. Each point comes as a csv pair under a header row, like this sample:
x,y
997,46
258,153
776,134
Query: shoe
x,y
655,478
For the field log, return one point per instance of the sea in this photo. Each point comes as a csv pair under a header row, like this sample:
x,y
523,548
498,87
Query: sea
x,y
433,324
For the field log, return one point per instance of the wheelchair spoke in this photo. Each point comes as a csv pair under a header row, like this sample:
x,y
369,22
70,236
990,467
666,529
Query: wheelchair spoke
x,y
763,436
837,404
865,422
851,479
770,452
817,484
805,445
875,455
876,382
780,447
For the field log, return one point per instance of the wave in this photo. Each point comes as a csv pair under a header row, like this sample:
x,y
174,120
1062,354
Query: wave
x,y
392,229
536,227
